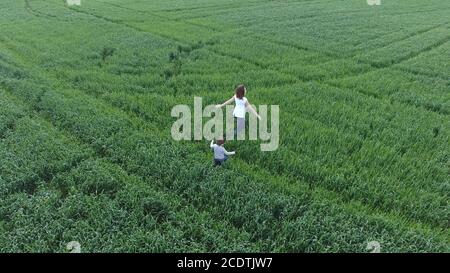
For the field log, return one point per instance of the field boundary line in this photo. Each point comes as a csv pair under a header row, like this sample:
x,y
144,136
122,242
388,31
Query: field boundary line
x,y
35,117
413,54
39,14
393,63
421,73
418,107
411,35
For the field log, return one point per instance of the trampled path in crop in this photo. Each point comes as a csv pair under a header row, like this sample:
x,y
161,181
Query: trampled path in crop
x,y
86,151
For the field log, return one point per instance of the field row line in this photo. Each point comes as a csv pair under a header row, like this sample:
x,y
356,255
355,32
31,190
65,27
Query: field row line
x,y
411,35
393,64
413,55
425,74
373,96
40,14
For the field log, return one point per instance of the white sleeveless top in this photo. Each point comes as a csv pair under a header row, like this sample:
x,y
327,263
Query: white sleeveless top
x,y
240,109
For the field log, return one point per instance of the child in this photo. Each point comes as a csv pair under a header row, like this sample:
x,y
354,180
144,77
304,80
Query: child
x,y
241,107
220,154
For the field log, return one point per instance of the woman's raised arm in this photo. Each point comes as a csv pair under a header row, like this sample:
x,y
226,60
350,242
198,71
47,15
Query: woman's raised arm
x,y
250,107
225,103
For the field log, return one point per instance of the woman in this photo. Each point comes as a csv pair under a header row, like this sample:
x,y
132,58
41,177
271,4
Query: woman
x,y
241,107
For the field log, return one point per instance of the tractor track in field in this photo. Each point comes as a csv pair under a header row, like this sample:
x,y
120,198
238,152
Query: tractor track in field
x,y
325,53
422,51
38,13
410,56
411,35
406,58
423,73
380,97
339,56
378,66
33,115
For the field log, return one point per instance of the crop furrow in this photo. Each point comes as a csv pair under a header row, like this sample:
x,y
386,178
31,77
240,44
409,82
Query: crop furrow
x,y
411,55
422,73
411,35
380,97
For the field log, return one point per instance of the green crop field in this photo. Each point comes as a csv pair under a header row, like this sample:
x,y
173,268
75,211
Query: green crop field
x,y
86,152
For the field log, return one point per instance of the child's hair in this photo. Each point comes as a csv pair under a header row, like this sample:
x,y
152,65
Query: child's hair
x,y
240,91
220,142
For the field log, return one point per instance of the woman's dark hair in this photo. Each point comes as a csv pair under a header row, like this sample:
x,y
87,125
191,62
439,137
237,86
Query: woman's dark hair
x,y
220,142
240,91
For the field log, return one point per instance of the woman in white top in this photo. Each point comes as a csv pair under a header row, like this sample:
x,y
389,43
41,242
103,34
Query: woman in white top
x,y
241,107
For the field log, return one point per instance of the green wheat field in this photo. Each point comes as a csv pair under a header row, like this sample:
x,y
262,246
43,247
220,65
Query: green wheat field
x,y
86,152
